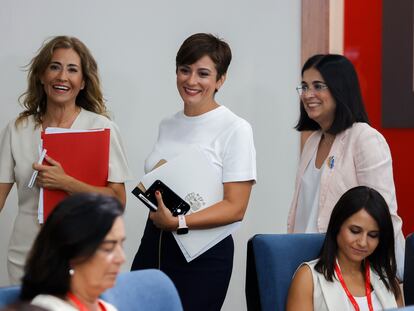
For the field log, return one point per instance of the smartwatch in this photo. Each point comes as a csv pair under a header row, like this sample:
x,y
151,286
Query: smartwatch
x,y
182,225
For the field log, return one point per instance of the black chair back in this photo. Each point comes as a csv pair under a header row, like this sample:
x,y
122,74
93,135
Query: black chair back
x,y
409,270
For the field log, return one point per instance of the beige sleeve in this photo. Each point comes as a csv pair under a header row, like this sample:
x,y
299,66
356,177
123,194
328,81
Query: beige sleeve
x,y
7,162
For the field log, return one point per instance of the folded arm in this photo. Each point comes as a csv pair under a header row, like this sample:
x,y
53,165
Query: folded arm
x,y
53,176
231,209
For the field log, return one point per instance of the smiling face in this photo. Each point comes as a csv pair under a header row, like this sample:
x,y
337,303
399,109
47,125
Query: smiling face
x,y
318,101
99,272
63,77
197,84
358,237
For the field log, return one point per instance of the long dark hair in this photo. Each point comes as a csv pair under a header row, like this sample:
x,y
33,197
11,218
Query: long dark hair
x,y
342,81
382,260
73,231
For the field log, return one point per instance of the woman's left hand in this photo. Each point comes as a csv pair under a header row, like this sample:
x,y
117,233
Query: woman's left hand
x,y
162,218
51,176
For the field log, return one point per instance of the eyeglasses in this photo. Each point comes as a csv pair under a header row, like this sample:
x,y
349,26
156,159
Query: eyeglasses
x,y
316,89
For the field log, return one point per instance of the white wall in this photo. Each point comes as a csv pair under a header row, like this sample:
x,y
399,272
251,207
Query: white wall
x,y
135,43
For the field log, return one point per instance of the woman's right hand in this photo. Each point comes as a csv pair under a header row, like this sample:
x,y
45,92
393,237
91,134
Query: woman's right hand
x,y
51,176
162,218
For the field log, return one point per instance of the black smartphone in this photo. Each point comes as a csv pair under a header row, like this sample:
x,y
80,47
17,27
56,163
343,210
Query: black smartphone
x,y
172,201
141,195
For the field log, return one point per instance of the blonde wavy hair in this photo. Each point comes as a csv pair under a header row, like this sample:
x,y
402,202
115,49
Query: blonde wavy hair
x,y
34,99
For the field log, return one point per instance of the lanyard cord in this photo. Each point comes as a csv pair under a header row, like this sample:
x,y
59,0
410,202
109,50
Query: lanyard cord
x,y
367,286
80,306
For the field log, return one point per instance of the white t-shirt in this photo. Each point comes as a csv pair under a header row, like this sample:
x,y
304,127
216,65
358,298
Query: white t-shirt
x,y
226,139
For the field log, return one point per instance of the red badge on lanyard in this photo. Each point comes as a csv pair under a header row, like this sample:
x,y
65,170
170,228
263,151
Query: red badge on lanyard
x,y
367,286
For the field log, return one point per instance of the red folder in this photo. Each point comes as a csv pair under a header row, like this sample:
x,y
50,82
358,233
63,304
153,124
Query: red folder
x,y
83,155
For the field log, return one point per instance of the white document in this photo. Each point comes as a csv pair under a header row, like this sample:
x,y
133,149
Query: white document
x,y
194,179
40,217
59,130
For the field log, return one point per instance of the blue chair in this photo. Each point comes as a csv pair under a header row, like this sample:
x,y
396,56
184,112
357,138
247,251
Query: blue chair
x,y
403,309
137,290
272,259
143,290
408,283
9,295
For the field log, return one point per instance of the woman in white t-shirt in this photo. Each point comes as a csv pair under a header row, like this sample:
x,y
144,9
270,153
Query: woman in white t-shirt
x,y
227,140
356,269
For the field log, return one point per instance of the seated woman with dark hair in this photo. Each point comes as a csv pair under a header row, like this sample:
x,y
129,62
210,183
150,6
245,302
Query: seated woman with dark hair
x,y
356,269
77,255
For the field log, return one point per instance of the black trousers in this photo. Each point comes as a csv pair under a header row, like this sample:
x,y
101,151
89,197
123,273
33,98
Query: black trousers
x,y
201,283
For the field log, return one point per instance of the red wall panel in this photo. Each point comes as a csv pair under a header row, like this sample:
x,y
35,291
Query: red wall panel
x,y
362,45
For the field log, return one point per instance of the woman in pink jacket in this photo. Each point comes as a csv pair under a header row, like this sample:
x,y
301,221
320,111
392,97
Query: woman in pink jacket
x,y
344,151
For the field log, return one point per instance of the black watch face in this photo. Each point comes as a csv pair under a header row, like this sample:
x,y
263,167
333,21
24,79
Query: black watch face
x,y
182,230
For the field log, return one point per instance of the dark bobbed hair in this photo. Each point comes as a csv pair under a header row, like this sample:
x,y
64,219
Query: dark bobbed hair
x,y
382,260
72,232
342,80
201,44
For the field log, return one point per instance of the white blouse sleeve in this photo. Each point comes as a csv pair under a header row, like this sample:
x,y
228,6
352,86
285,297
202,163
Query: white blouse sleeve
x,y
239,161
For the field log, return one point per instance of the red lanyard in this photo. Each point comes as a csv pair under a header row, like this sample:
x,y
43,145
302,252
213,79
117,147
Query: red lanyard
x,y
367,286
80,305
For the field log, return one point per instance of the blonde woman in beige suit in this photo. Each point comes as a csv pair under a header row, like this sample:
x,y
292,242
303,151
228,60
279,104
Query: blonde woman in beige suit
x,y
63,91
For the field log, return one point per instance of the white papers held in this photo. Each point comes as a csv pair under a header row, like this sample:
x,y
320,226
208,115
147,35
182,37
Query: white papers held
x,y
42,154
194,179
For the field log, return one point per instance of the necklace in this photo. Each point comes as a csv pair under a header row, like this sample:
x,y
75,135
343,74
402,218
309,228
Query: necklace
x,y
65,123
80,306
367,286
327,140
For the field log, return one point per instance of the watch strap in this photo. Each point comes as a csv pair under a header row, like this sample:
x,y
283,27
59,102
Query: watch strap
x,y
182,225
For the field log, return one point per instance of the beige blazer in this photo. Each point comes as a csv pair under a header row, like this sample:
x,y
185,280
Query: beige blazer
x,y
361,158
329,296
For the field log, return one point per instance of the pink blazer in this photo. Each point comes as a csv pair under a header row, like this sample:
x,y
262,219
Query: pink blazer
x,y
361,158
